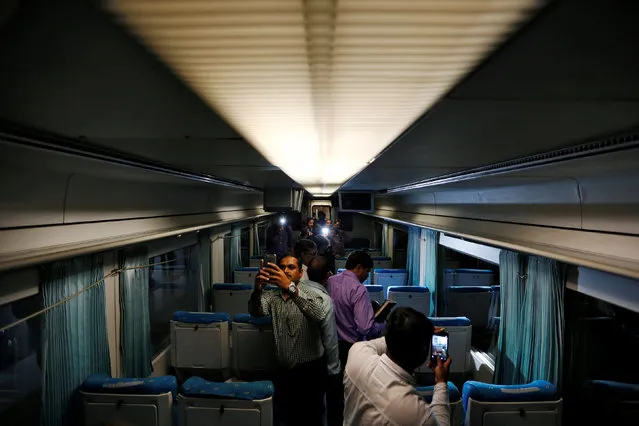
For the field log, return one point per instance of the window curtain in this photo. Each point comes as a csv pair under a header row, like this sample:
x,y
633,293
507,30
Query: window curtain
x,y
413,256
530,345
74,339
134,311
430,243
204,251
511,276
256,240
235,257
384,246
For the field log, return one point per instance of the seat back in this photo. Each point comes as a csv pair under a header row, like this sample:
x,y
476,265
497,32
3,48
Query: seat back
x,y
245,275
533,404
417,298
460,331
255,261
253,345
374,252
469,301
200,340
390,277
376,293
340,263
225,404
454,398
231,298
144,402
468,277
368,281
382,262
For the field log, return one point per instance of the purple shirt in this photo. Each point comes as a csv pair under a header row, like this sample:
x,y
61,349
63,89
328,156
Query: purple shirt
x,y
354,314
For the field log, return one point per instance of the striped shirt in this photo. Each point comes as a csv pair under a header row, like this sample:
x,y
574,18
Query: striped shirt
x,y
296,323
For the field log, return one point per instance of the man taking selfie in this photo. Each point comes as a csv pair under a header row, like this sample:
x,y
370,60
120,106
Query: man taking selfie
x,y
297,313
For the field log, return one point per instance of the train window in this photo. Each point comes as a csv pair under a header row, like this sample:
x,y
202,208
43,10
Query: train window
x,y
21,363
173,287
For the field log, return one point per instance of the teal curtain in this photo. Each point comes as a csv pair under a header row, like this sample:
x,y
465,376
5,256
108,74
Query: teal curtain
x,y
413,255
384,245
74,339
204,284
134,311
430,240
544,317
509,344
235,253
256,240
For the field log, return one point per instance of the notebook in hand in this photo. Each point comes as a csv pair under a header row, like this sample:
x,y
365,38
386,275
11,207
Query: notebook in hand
x,y
384,310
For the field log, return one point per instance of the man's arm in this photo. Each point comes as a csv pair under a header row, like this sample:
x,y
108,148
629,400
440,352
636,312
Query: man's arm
x,y
329,339
309,303
259,303
364,315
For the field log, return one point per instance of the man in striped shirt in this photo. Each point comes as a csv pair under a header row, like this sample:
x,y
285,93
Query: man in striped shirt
x,y
297,313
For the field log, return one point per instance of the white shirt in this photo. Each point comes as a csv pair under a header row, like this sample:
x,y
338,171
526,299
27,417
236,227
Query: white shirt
x,y
304,273
379,392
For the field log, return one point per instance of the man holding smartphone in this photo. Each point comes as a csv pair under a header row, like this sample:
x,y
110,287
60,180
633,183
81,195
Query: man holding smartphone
x,y
297,313
378,381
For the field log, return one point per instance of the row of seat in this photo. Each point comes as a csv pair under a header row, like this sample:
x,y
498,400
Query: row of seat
x,y
479,303
157,402
254,261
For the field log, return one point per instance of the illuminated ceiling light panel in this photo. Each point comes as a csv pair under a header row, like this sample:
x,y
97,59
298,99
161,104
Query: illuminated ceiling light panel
x,y
321,87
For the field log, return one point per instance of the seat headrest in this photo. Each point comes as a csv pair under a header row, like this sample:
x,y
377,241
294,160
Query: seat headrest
x,y
390,271
539,390
450,321
374,288
198,387
381,259
248,319
200,317
248,269
235,287
407,289
469,289
609,390
468,271
427,392
103,383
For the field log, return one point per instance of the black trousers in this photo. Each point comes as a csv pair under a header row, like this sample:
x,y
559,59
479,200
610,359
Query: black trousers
x,y
299,394
335,389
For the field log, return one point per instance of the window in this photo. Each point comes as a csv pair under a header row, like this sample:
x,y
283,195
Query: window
x,y
173,286
21,363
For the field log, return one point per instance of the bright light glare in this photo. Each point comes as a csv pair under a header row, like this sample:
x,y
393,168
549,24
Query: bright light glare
x,y
283,220
334,82
325,232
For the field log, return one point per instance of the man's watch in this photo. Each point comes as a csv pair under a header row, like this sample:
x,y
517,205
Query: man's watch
x,y
292,288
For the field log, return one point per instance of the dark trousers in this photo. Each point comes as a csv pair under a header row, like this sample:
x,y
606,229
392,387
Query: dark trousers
x,y
335,389
299,394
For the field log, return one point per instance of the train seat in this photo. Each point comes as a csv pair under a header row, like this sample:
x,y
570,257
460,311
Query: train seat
x,y
255,261
470,301
616,402
454,398
245,275
215,404
417,298
536,403
468,277
460,331
253,345
376,293
231,298
390,277
382,262
143,402
200,340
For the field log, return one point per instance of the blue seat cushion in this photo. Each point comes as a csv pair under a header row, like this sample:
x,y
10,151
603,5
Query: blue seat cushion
x,y
427,392
248,319
609,390
469,289
198,387
539,390
374,288
201,317
235,287
450,321
468,271
390,271
407,289
103,383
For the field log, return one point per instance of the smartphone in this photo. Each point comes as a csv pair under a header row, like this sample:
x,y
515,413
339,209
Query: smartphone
x,y
439,347
270,258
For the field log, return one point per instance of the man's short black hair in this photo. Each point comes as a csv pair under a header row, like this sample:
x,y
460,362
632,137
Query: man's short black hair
x,y
318,269
304,246
359,258
408,337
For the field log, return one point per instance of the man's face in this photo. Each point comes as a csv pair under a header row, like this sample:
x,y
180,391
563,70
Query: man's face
x,y
362,273
307,256
289,265
311,223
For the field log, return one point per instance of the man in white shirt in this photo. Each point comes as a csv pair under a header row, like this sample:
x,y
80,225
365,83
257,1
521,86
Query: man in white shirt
x,y
378,378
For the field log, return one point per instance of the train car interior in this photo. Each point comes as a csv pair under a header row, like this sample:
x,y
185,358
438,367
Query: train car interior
x,y
484,153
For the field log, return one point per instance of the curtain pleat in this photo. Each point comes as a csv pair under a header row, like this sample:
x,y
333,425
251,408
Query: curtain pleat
x,y
134,312
413,255
384,245
431,240
256,240
74,339
204,251
235,249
